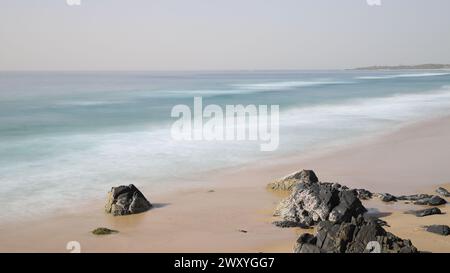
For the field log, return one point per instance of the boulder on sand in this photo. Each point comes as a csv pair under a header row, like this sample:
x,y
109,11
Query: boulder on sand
x,y
287,183
439,229
424,212
313,202
124,200
352,237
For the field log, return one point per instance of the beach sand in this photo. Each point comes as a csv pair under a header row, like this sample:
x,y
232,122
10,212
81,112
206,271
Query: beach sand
x,y
232,212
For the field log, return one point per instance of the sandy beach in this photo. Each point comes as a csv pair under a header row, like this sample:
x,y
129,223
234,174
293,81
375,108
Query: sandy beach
x,y
232,211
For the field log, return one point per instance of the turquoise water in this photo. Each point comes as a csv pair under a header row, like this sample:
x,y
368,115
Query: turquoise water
x,y
68,137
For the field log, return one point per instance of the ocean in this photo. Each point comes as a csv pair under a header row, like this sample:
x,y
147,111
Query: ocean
x,y
67,137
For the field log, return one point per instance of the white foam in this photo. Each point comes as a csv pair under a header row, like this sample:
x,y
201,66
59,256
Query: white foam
x,y
360,112
89,103
402,76
285,85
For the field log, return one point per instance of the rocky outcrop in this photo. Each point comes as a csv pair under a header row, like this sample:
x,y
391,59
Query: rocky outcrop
x,y
443,192
313,202
124,200
424,212
287,183
439,229
352,237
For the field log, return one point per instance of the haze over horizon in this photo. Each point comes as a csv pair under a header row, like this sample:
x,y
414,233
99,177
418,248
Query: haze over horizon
x,y
161,35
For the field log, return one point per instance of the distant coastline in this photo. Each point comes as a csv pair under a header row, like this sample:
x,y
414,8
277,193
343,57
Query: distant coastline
x,y
405,67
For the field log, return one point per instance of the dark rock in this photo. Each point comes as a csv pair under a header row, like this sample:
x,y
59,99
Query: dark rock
x,y
414,197
287,183
443,192
386,197
124,200
439,229
103,231
306,243
433,201
364,194
351,237
242,230
418,199
311,203
424,212
306,248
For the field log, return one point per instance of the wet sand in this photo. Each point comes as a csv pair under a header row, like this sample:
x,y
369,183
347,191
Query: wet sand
x,y
212,217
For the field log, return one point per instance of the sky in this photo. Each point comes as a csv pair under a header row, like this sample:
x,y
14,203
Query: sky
x,y
221,34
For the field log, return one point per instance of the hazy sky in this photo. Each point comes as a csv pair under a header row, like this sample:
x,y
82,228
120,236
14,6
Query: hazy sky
x,y
221,34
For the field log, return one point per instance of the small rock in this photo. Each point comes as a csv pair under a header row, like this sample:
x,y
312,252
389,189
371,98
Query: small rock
x,y
443,192
124,200
439,229
386,197
425,212
103,231
287,183
242,230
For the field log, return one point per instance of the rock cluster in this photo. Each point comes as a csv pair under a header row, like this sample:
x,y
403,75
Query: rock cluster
x,y
339,217
124,200
289,183
312,202
355,236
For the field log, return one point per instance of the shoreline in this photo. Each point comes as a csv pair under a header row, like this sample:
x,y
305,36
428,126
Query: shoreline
x,y
197,220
